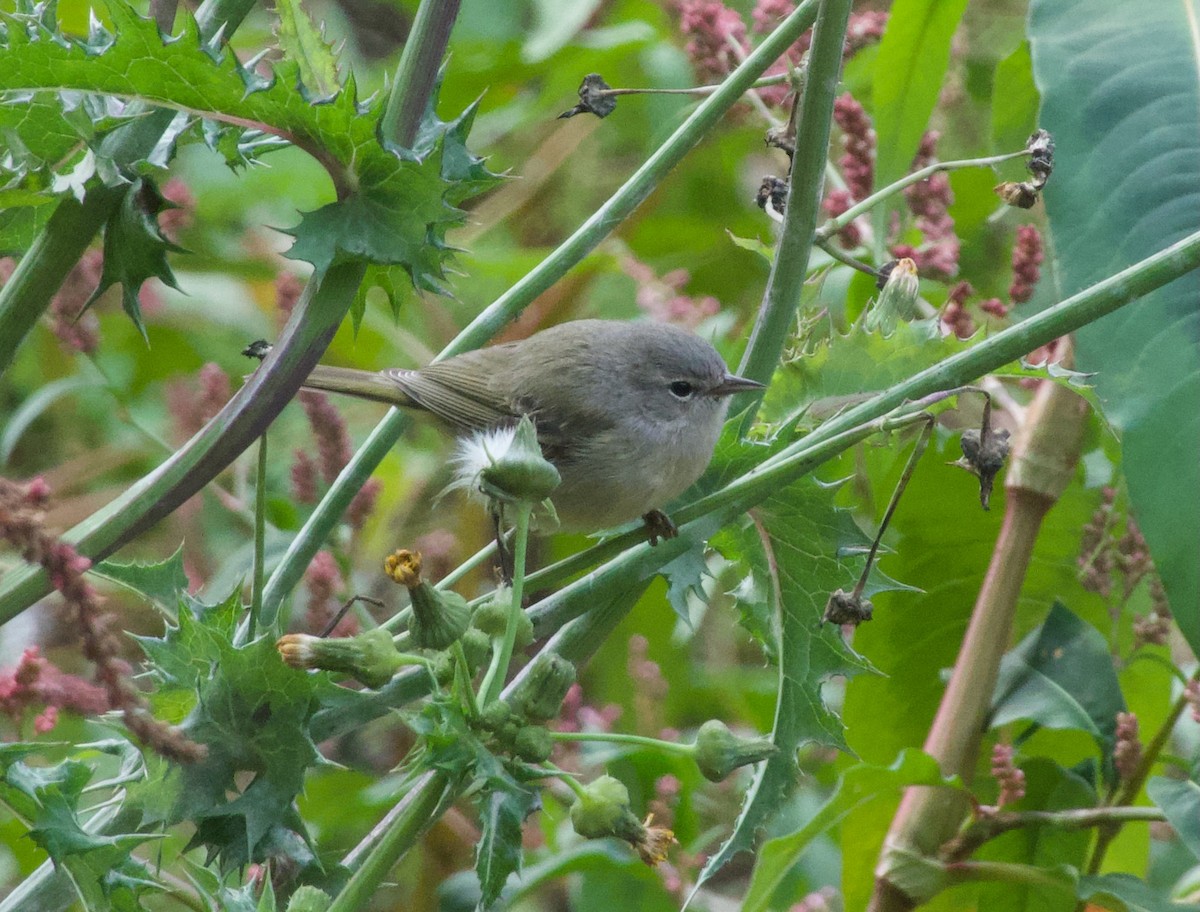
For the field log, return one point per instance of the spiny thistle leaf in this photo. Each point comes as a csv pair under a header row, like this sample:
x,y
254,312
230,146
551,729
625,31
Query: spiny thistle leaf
x,y
47,798
135,249
394,205
252,712
304,43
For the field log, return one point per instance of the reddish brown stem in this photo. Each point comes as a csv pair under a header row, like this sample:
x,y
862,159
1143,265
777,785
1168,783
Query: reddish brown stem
x,y
1044,457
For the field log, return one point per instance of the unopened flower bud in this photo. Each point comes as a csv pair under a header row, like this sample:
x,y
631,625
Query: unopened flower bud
x,y
521,473
476,644
984,457
533,744
438,617
539,695
370,657
898,299
495,715
719,751
492,618
603,810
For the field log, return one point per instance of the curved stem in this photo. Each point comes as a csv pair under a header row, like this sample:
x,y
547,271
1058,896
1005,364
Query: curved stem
x,y
493,681
657,744
836,224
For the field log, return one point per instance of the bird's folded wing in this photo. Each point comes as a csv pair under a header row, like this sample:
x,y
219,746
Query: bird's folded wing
x,y
465,402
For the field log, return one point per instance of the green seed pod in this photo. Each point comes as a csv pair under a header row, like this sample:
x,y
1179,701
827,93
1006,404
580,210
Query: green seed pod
x,y
507,735
898,299
533,744
521,474
492,617
476,644
494,715
603,810
439,618
539,695
308,899
370,657
719,751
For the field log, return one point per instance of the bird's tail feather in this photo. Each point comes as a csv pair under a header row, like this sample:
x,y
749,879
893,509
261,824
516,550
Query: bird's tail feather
x,y
358,383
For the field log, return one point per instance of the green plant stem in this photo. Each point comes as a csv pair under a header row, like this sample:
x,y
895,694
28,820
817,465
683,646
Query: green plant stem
x,y
837,223
655,744
910,467
60,244
493,681
417,72
1007,872
805,183
987,828
426,800
462,675
260,537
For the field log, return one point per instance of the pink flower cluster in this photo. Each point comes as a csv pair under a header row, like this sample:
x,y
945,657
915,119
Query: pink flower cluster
x,y
37,682
324,582
1010,777
21,524
712,30
190,408
333,454
661,299
929,200
1127,753
1027,259
77,329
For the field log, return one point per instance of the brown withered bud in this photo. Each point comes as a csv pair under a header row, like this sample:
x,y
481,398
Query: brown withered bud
x,y
1041,157
258,349
772,192
782,137
983,456
594,98
1021,195
847,608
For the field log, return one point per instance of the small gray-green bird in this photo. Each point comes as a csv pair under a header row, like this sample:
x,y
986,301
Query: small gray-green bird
x,y
629,413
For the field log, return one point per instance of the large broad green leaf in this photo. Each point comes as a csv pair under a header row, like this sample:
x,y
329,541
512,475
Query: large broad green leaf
x,y
1061,676
1180,801
1121,94
909,74
857,785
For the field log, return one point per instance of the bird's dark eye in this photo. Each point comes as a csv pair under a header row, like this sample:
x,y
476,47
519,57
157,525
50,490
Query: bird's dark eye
x,y
681,389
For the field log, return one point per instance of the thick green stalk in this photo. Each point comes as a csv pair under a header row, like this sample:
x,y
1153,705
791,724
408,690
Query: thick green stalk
x,y
260,537
805,183
509,305
236,426
417,72
60,244
493,681
428,798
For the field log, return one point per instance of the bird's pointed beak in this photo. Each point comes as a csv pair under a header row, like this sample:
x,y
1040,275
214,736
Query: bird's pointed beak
x,y
734,384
